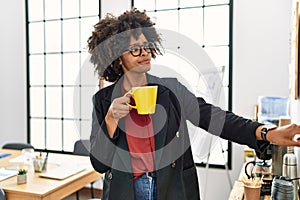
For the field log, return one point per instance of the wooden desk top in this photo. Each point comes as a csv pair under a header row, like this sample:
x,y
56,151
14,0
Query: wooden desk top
x,y
45,188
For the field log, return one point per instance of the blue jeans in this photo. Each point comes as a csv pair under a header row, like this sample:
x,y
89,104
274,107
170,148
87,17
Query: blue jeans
x,y
145,187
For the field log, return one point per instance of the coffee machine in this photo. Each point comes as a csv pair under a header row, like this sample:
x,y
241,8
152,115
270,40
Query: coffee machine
x,y
272,111
264,168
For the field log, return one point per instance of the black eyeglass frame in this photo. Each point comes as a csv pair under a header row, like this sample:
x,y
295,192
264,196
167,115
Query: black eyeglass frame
x,y
148,47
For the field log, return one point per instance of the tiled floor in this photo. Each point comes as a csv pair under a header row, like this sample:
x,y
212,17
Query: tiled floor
x,y
85,194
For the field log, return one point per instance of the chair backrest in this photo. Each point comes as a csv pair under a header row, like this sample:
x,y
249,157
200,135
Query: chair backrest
x,y
17,146
82,147
2,195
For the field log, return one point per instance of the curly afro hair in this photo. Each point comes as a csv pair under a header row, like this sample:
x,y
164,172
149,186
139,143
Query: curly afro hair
x,y
111,37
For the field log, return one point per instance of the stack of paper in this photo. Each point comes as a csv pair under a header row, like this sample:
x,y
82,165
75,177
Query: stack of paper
x,y
4,173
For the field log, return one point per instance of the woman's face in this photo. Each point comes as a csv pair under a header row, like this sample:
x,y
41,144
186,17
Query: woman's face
x,y
138,57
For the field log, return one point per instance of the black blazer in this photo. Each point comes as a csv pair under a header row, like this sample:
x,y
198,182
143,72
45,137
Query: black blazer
x,y
175,168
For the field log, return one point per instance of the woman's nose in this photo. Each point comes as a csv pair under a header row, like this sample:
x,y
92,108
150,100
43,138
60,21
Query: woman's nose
x,y
144,52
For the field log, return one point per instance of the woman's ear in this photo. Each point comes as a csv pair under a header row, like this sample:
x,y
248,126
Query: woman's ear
x,y
120,61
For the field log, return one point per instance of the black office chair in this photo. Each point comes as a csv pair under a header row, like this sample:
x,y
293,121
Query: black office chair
x,y
17,146
2,195
82,148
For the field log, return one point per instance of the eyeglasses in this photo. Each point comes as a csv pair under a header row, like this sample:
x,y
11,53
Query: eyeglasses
x,y
136,50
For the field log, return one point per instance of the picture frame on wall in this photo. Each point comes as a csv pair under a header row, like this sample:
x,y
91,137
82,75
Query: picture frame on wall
x,y
294,66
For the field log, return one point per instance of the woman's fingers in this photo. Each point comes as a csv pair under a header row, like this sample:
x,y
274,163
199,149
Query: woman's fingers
x,y
289,135
119,107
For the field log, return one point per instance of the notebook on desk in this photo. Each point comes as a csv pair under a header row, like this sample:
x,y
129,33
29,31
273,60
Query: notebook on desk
x,y
62,172
5,174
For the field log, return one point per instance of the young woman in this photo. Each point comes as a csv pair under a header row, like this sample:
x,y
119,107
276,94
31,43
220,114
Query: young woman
x,y
147,157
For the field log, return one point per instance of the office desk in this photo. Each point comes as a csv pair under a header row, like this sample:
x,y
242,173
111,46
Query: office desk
x,y
38,188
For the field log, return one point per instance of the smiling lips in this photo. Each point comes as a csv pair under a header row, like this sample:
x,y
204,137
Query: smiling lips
x,y
145,62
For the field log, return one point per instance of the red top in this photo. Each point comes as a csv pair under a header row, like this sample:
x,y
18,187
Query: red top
x,y
140,139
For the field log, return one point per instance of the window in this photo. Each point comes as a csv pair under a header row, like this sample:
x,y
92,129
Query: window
x,y
208,24
61,81
58,76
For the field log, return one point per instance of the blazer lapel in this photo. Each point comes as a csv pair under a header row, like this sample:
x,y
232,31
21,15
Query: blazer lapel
x,y
122,151
160,123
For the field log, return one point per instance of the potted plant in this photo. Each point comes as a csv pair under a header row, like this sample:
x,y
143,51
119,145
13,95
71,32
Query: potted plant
x,y
250,156
22,176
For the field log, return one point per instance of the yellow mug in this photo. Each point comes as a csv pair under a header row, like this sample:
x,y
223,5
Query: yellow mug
x,y
145,99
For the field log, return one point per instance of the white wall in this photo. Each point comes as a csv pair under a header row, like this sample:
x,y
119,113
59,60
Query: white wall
x,y
261,57
12,72
261,51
